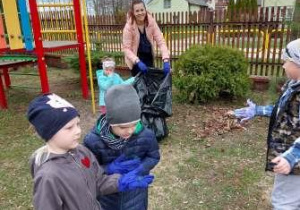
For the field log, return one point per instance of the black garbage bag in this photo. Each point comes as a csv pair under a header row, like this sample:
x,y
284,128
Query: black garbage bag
x,y
155,93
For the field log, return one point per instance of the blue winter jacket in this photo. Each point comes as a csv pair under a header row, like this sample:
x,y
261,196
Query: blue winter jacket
x,y
142,145
105,82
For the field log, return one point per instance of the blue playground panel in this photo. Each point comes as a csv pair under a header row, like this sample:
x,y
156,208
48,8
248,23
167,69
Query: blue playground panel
x,y
25,24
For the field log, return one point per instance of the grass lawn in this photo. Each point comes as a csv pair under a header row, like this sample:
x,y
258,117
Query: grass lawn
x,y
221,169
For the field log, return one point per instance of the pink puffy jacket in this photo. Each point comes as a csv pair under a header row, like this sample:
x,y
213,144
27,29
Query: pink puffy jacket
x,y
131,40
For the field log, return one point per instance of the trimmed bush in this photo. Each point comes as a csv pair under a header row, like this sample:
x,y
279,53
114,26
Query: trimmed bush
x,y
202,73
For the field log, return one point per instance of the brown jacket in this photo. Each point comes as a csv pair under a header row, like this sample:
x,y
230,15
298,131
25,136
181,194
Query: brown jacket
x,y
70,181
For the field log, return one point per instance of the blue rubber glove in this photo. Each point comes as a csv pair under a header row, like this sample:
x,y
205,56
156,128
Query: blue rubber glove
x,y
246,113
166,68
142,67
122,166
131,181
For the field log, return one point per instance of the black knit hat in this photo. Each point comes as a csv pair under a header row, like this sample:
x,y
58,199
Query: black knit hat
x,y
49,113
122,105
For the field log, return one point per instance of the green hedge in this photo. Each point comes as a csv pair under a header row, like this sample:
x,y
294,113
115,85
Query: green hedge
x,y
202,73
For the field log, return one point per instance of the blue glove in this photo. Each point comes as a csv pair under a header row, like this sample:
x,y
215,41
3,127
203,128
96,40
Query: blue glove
x,y
246,113
166,68
122,166
131,181
142,67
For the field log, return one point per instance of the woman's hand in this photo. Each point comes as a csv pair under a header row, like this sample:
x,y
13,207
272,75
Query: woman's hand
x,y
166,67
142,67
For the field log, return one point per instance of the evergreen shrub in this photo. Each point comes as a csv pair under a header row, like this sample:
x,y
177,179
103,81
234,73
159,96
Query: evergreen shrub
x,y
204,73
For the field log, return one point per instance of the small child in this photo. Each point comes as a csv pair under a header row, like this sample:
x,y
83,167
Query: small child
x,y
66,174
283,154
119,134
107,78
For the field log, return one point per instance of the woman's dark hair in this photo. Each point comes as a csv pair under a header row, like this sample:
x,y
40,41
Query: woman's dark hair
x,y
131,11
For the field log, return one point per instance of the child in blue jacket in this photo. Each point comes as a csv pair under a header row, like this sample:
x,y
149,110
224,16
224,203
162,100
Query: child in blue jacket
x,y
119,136
106,78
283,154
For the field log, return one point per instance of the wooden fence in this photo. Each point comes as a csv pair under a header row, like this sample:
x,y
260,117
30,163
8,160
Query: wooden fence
x,y
260,35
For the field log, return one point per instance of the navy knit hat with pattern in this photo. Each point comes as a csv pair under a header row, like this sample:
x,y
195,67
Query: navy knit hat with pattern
x,y
49,113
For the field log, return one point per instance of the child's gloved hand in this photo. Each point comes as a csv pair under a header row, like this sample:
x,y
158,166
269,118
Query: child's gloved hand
x,y
142,67
122,166
166,68
246,113
131,181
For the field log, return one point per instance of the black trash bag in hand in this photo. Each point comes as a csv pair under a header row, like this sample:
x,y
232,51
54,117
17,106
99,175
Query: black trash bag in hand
x,y
155,93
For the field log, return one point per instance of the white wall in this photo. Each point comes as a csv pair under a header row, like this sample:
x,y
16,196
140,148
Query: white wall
x,y
176,5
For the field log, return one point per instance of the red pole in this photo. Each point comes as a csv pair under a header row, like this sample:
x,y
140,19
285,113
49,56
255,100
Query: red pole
x,y
6,77
79,32
39,49
3,102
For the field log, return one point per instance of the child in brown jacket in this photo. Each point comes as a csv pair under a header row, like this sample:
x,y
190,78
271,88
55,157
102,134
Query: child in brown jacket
x,y
66,174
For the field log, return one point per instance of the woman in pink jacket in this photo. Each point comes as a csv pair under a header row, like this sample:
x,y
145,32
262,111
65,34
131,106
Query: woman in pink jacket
x,y
139,34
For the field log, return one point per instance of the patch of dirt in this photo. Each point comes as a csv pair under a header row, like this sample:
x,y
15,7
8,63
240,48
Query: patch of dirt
x,y
204,121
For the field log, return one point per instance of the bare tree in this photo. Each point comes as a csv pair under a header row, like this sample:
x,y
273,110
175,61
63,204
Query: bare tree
x,y
104,7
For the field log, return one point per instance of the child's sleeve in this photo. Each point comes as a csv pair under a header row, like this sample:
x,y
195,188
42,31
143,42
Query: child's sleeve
x,y
118,79
129,81
46,194
104,82
106,184
264,110
292,155
152,157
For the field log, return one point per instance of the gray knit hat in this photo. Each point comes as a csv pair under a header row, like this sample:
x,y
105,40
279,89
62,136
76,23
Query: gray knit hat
x,y
292,52
122,105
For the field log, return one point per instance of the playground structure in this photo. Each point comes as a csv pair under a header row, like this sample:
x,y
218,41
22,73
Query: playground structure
x,y
21,37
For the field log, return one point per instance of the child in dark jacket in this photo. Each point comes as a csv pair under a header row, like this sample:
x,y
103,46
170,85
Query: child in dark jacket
x,y
283,154
119,135
66,175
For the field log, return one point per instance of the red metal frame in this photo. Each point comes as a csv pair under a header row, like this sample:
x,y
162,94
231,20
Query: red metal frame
x,y
46,49
39,50
6,77
3,102
58,48
4,69
79,32
3,50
